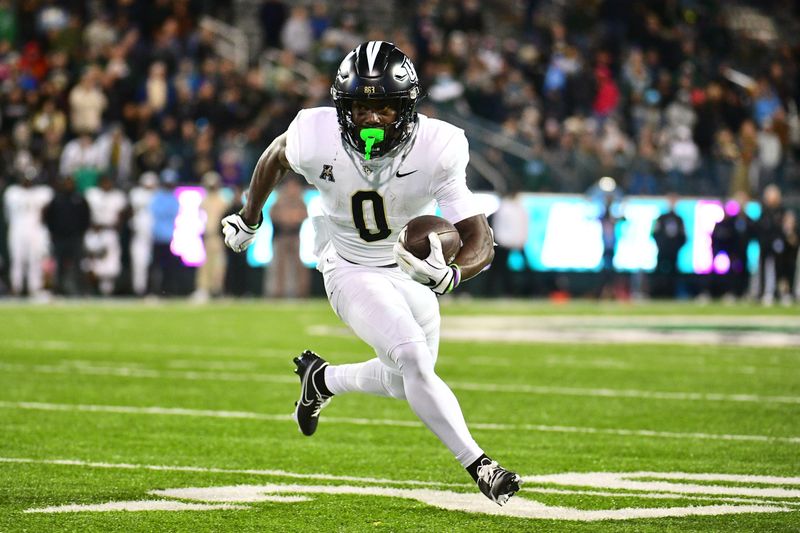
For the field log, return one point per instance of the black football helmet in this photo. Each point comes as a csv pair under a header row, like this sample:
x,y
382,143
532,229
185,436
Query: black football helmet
x,y
376,70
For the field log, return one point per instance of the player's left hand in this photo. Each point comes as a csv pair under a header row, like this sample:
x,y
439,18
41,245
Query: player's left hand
x,y
433,272
238,234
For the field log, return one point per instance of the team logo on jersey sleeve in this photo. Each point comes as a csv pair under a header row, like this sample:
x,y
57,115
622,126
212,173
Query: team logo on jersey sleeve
x,y
327,173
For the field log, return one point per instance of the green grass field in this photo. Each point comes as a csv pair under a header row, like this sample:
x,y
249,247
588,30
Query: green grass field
x,y
679,417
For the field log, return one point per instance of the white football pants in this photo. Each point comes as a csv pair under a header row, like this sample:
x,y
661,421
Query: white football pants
x,y
27,248
141,255
399,318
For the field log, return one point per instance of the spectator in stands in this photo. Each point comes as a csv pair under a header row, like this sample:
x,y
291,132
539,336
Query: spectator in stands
x,y
211,274
87,103
8,22
730,238
149,153
288,276
682,160
510,226
669,233
115,155
610,216
156,91
273,15
236,270
81,160
788,260
320,19
769,154
297,35
772,242
49,119
745,171
141,225
164,209
67,218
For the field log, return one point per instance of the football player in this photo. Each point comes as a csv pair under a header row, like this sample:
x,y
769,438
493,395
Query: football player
x,y
377,164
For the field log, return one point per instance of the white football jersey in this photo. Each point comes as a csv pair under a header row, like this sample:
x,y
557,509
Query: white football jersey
x,y
365,203
105,206
24,206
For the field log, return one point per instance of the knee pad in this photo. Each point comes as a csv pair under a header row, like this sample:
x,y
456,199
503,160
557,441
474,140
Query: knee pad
x,y
413,359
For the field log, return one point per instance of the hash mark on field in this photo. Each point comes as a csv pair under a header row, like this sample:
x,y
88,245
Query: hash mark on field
x,y
179,411
197,375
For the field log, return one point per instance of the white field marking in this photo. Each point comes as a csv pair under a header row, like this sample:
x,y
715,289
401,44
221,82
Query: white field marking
x,y
146,505
450,501
234,471
161,349
128,372
172,363
499,321
620,329
151,348
610,336
211,365
733,478
535,334
66,363
177,411
630,481
457,501
552,361
622,393
570,361
412,482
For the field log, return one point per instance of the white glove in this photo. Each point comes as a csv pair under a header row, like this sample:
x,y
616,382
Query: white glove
x,y
432,272
238,234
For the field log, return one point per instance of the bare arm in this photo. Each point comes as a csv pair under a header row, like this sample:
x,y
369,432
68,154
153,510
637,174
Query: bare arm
x,y
477,249
271,167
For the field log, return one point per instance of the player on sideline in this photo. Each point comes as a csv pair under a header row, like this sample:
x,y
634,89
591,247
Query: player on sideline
x,y
378,164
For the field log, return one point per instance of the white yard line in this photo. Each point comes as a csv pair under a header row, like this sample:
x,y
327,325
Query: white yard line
x,y
144,373
623,393
197,375
500,321
177,411
529,486
533,331
236,471
622,336
150,348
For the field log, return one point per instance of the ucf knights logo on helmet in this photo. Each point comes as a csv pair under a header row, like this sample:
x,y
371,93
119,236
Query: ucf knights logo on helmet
x,y
376,70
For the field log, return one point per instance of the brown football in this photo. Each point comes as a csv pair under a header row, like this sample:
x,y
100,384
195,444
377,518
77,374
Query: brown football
x,y
416,238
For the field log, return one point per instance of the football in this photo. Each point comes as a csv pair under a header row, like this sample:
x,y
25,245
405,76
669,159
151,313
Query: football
x,y
416,237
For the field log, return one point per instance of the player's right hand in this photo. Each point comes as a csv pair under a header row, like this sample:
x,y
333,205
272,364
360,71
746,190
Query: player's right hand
x,y
238,234
433,272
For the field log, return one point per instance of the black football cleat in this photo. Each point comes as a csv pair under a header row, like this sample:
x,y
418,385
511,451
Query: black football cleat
x,y
311,401
497,483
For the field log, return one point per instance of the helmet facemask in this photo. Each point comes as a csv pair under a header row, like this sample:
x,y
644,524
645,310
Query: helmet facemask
x,y
376,71
375,140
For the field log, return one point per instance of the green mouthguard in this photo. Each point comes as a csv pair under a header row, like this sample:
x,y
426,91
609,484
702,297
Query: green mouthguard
x,y
370,136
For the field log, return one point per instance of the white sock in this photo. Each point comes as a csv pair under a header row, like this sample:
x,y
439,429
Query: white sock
x,y
371,377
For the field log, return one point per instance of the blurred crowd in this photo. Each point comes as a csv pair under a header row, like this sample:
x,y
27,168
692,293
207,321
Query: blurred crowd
x,y
665,96
103,99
